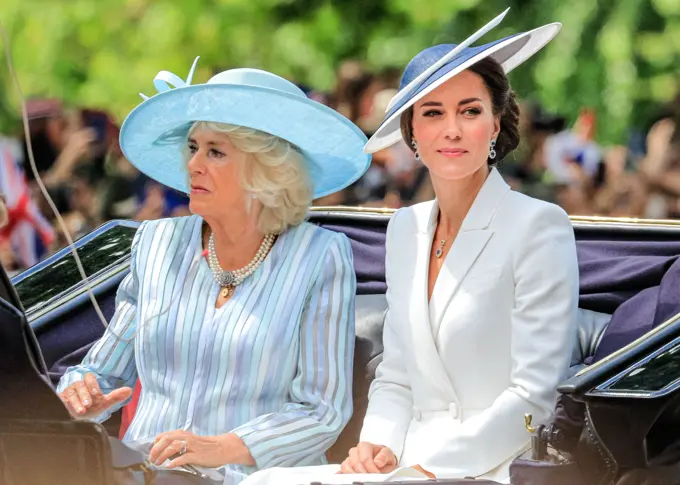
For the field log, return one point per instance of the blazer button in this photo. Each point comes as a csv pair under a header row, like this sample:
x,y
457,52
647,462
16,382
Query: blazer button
x,y
454,411
417,415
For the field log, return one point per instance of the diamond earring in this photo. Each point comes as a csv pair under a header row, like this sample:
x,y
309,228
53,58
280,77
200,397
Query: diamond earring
x,y
415,149
492,151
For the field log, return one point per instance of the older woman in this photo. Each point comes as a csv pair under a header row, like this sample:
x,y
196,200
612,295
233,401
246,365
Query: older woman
x,y
239,319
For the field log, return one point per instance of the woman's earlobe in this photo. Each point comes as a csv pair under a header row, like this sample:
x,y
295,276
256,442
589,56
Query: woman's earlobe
x,y
496,128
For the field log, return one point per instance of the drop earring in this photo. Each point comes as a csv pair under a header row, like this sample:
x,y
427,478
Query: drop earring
x,y
492,151
415,149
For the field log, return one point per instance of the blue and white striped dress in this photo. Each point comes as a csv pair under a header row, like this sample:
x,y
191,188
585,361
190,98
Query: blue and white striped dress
x,y
273,364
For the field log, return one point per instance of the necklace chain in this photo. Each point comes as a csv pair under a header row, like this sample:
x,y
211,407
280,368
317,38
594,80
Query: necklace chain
x,y
231,279
442,242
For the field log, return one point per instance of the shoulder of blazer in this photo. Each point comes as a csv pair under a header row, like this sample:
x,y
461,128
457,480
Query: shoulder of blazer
x,y
148,230
150,227
168,222
411,219
521,211
321,233
314,240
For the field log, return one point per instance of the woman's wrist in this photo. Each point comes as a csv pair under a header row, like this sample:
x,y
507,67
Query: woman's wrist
x,y
234,450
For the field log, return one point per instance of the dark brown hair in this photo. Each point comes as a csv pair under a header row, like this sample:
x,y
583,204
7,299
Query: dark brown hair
x,y
503,101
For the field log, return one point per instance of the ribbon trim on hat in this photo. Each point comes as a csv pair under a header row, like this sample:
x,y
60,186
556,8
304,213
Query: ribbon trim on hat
x,y
406,91
166,80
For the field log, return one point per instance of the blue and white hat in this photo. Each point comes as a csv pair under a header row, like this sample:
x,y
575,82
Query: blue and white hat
x,y
435,65
154,133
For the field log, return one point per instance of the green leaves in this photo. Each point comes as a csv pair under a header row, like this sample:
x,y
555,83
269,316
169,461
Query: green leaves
x,y
614,56
667,8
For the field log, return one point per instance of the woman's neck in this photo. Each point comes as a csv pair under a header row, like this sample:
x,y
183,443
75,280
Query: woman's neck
x,y
237,239
455,197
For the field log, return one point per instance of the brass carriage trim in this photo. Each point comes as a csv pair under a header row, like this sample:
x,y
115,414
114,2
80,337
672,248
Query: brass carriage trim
x,y
527,423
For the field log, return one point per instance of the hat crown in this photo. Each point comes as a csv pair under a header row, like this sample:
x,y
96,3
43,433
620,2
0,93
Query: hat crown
x,y
256,77
423,60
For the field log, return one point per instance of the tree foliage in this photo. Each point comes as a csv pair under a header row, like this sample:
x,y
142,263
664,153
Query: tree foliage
x,y
618,56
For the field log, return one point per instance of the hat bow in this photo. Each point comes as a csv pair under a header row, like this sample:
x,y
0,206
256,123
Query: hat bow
x,y
166,80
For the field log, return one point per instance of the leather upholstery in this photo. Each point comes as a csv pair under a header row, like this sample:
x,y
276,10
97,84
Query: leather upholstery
x,y
591,328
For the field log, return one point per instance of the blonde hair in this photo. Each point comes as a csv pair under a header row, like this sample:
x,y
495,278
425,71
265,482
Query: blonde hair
x,y
276,175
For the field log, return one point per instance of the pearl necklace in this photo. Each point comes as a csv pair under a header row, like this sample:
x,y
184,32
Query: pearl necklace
x,y
229,280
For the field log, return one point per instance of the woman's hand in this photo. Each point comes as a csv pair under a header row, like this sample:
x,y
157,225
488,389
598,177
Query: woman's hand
x,y
84,399
369,458
206,451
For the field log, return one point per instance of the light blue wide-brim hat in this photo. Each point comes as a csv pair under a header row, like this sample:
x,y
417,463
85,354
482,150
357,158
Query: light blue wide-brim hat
x,y
435,65
154,134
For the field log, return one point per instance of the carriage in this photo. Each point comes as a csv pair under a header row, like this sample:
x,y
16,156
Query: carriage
x,y
617,417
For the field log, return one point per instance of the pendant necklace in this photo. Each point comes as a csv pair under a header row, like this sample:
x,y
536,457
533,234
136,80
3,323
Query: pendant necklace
x,y
440,250
229,280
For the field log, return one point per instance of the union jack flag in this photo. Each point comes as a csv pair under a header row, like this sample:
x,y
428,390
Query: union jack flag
x,y
27,230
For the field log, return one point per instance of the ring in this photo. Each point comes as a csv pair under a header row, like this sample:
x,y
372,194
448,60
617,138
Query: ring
x,y
184,448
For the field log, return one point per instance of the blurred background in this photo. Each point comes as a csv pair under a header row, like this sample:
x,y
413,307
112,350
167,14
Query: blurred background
x,y
601,104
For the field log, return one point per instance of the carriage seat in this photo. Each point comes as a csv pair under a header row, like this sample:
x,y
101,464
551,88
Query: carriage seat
x,y
591,329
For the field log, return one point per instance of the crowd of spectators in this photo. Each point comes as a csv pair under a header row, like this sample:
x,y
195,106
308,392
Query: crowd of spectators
x,y
78,157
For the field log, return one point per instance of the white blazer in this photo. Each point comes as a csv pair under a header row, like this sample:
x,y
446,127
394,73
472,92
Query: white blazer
x,y
458,374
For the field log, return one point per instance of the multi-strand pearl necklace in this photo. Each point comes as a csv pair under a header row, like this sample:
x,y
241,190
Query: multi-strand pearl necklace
x,y
229,280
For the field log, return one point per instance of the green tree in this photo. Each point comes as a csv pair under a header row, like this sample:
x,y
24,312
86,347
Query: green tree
x,y
619,57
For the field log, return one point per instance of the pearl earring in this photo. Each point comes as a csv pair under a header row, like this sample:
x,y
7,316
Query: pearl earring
x,y
492,151
415,149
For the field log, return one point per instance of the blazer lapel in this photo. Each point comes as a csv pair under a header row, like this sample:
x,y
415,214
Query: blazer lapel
x,y
462,255
427,359
473,236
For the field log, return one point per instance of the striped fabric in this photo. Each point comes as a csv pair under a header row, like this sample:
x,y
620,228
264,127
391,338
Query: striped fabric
x,y
273,365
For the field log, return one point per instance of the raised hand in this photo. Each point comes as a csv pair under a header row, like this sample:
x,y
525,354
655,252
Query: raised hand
x,y
84,399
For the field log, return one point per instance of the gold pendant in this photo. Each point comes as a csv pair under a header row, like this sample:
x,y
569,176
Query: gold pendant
x,y
227,291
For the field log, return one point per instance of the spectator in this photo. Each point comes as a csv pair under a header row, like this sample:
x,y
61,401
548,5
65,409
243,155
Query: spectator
x,y
622,193
661,166
572,156
59,143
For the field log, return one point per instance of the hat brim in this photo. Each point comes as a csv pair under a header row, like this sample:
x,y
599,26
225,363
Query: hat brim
x,y
154,133
509,52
